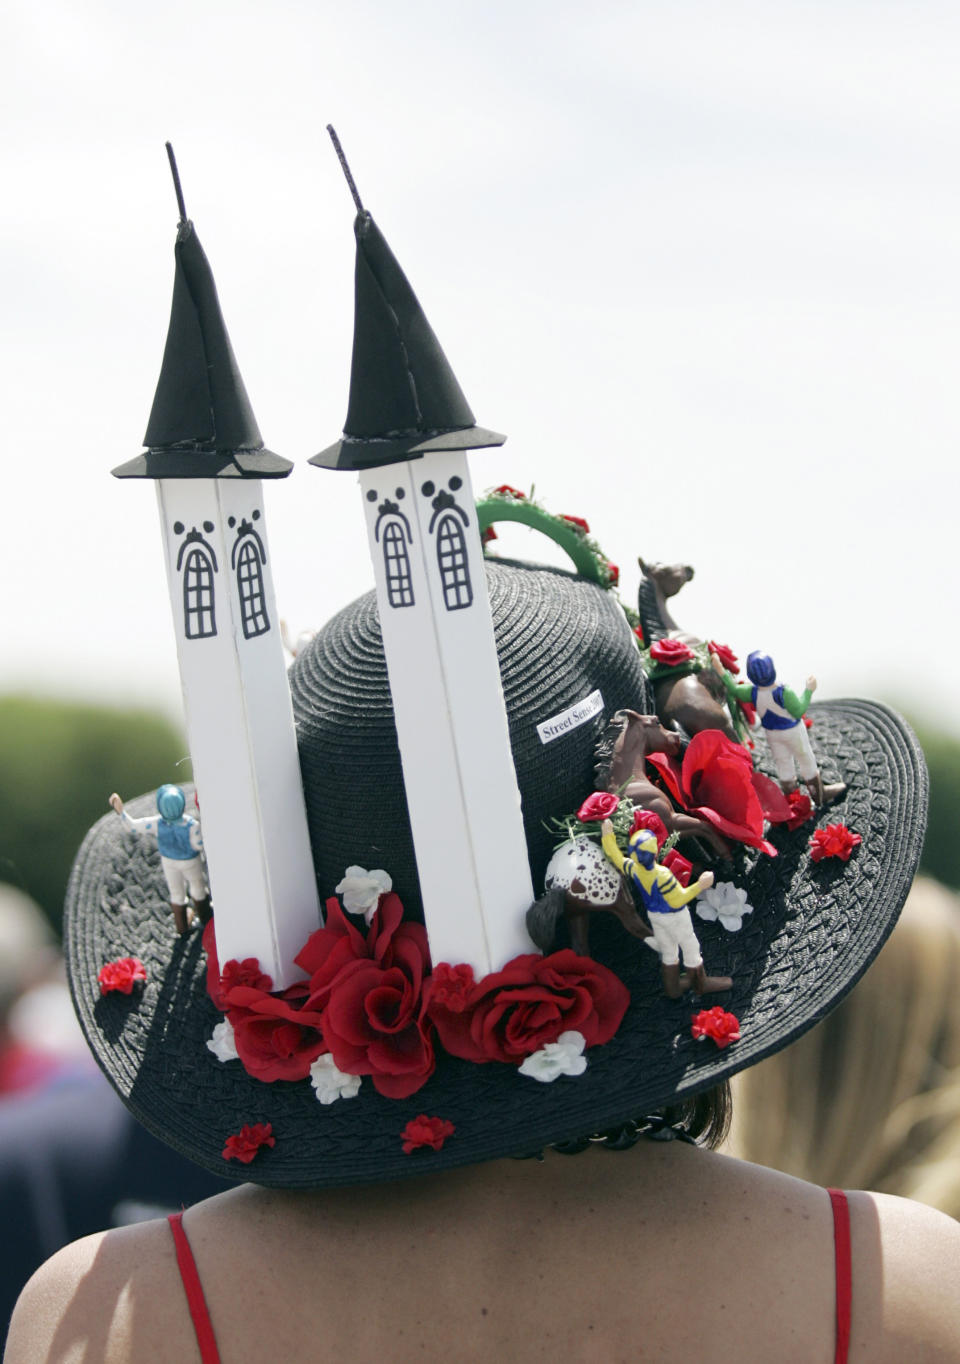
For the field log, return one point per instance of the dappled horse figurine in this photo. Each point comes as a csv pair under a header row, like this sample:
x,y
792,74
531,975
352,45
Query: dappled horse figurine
x,y
686,699
579,877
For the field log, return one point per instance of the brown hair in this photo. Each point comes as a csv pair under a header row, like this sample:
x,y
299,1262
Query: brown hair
x,y
870,1098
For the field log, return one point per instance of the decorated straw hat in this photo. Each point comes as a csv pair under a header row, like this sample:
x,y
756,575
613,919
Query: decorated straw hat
x,y
455,735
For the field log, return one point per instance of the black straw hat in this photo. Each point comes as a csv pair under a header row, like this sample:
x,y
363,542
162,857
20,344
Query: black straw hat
x,y
815,927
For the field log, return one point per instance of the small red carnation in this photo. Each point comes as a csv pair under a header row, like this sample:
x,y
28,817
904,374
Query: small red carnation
x,y
451,985
599,805
512,492
245,1144
488,535
670,651
679,865
424,1131
121,975
836,840
613,574
726,656
724,1028
649,819
801,808
577,521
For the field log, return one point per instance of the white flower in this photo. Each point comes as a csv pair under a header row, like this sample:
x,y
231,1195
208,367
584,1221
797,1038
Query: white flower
x,y
222,1044
563,1057
726,902
330,1083
361,890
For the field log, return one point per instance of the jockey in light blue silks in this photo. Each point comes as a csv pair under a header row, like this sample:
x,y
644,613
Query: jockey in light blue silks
x,y
180,844
780,712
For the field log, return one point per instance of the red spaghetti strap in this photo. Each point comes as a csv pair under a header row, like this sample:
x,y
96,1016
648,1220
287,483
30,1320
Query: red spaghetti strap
x,y
841,1240
209,1354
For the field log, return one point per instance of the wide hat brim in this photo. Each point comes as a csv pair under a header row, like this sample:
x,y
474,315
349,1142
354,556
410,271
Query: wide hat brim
x,y
814,930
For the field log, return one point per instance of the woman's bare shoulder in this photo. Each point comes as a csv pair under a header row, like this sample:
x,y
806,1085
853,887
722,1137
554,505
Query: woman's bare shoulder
x,y
906,1274
103,1297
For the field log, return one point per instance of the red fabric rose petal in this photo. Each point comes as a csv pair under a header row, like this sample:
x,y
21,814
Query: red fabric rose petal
x,y
717,782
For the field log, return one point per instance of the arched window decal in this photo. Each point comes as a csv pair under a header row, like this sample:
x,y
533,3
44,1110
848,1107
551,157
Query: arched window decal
x,y
199,616
199,563
454,566
396,564
247,560
392,531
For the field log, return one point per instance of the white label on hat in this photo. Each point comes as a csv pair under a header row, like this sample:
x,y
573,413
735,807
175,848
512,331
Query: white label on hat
x,y
572,718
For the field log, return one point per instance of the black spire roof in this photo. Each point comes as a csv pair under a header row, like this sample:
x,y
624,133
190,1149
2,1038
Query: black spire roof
x,y
201,424
404,397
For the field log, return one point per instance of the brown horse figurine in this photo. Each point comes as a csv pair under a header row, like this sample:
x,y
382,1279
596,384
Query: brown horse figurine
x,y
621,755
690,701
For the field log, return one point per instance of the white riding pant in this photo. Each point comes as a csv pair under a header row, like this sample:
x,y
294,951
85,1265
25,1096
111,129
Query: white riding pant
x,y
184,875
674,935
791,753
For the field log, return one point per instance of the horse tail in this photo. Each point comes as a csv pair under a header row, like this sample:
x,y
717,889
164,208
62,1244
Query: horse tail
x,y
542,917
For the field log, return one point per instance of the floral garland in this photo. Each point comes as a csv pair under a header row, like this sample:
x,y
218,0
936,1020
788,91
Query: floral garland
x,y
571,533
373,1007
668,657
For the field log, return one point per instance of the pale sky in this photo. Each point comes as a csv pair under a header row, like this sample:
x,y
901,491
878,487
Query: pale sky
x,y
699,261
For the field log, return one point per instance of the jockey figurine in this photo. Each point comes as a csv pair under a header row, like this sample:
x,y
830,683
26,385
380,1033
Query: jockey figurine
x,y
780,712
180,844
665,901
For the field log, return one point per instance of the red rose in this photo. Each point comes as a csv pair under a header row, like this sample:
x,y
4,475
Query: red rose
x,y
717,782
276,1036
801,809
808,722
577,521
488,535
370,993
514,1012
424,1131
601,805
679,865
121,975
726,656
245,1144
638,631
671,652
836,840
613,575
511,492
649,819
724,1028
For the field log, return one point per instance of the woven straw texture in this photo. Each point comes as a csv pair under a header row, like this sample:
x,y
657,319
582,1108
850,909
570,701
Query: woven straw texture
x,y
815,928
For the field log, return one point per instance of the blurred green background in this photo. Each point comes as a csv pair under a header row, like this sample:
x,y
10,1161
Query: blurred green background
x,y
60,760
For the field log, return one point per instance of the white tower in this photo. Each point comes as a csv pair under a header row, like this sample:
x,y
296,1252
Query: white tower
x,y
407,432
208,459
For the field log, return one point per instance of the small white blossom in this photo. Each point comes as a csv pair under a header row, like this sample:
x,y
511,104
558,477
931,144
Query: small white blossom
x,y
726,902
361,890
563,1057
222,1044
330,1083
